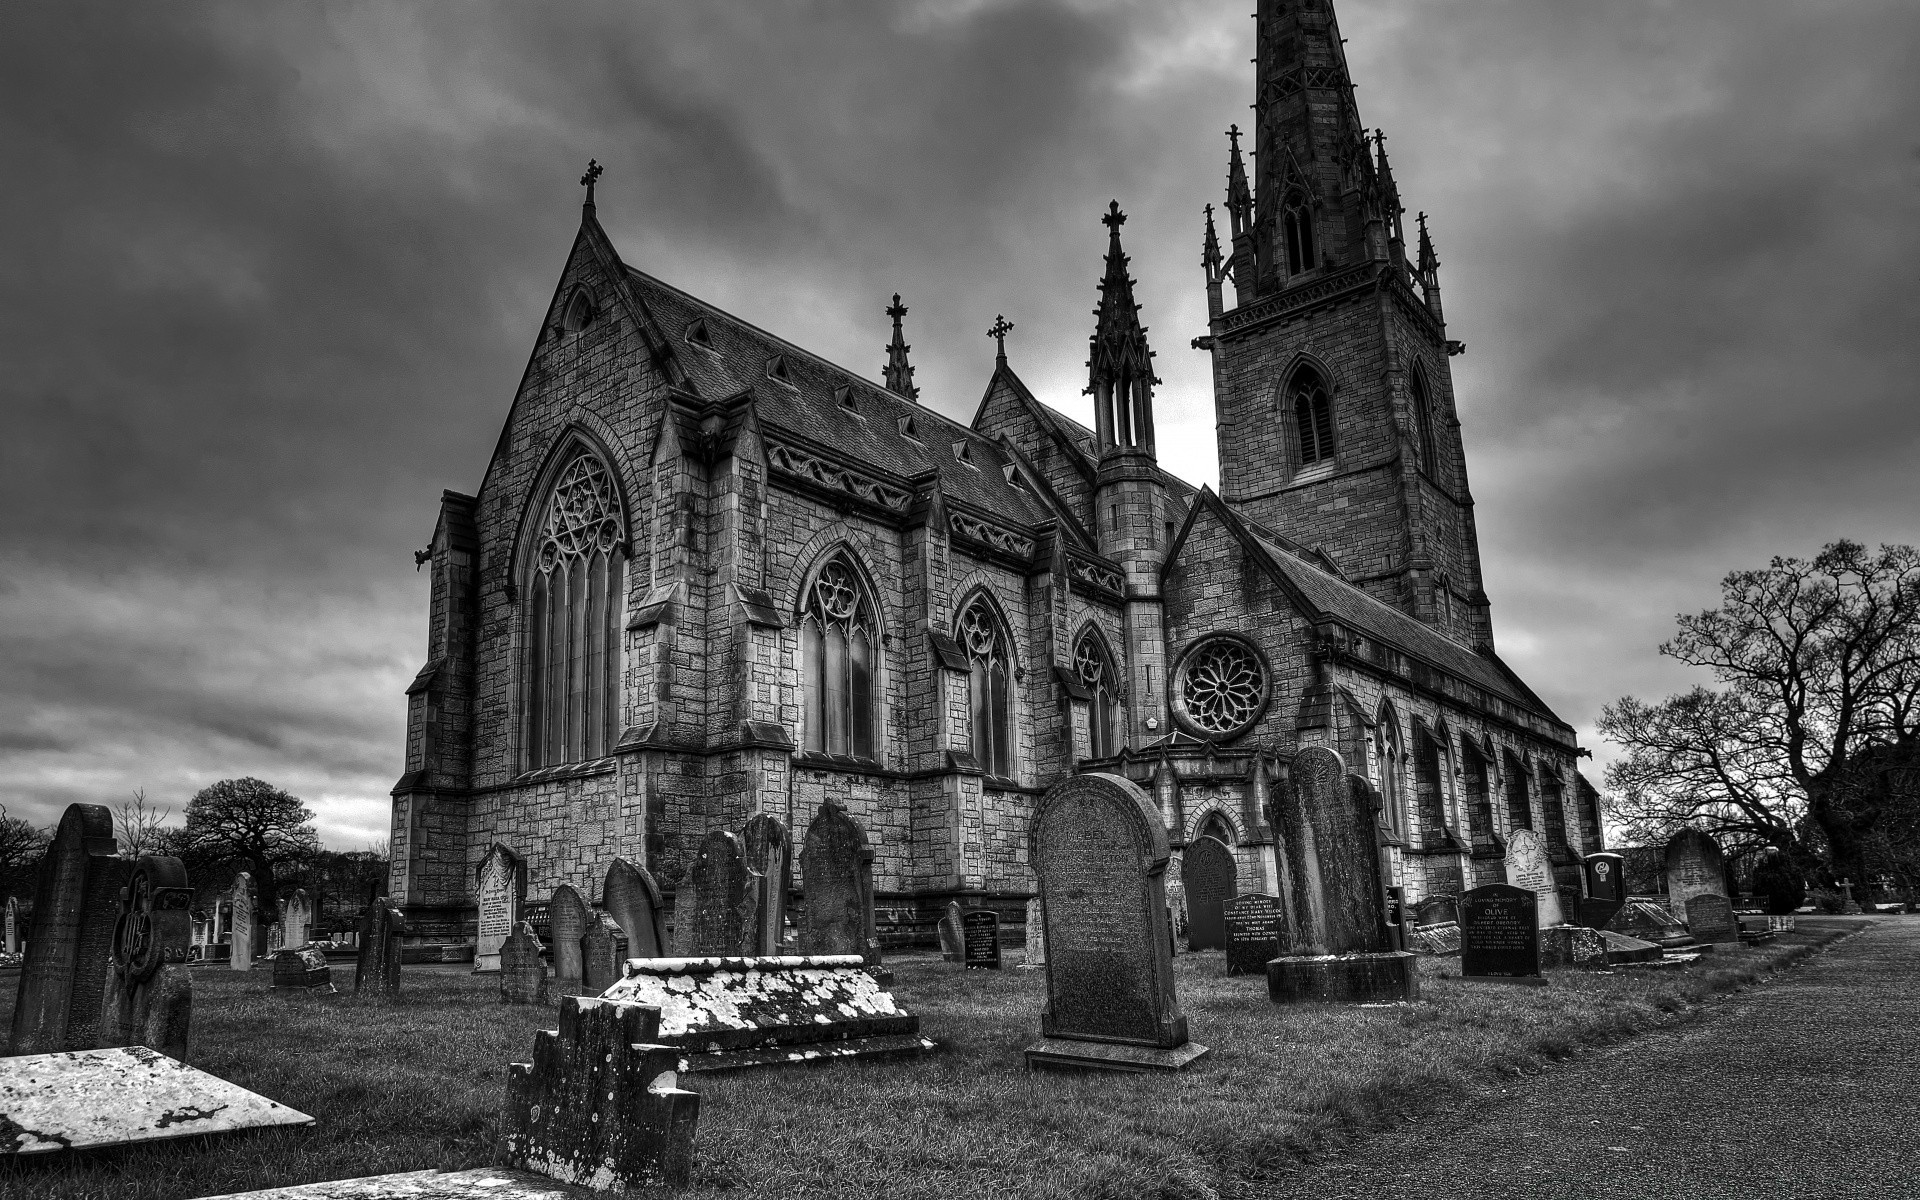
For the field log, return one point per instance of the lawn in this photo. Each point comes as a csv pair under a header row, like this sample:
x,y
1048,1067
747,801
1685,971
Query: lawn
x,y
418,1083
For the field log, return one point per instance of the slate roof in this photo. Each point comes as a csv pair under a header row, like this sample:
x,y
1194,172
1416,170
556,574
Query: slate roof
x,y
808,406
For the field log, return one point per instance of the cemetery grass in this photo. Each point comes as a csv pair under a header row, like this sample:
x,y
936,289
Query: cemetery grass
x,y
418,1083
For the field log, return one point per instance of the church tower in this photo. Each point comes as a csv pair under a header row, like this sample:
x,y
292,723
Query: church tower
x,y
1130,499
1332,391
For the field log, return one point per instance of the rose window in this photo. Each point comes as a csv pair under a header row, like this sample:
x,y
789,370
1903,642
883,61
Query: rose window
x,y
1223,687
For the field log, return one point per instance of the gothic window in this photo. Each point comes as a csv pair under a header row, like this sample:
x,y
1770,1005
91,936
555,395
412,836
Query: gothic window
x,y
838,649
573,625
986,645
1223,687
1423,424
1296,223
1312,417
1519,804
579,312
1386,747
1096,671
1218,828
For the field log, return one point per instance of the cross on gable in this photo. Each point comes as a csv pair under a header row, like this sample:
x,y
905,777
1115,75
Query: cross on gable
x,y
1001,328
594,171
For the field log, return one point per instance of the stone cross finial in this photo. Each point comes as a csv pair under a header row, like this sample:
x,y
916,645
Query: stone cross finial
x,y
594,171
896,310
1114,218
1001,328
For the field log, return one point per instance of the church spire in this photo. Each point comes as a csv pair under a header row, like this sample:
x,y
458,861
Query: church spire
x,y
899,375
1430,275
1214,265
1119,364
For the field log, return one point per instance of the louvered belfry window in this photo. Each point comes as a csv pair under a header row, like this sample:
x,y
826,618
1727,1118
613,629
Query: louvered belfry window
x,y
837,656
573,626
1313,417
992,688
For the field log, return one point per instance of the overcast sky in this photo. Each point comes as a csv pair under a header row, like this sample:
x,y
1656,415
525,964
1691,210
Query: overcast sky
x,y
271,274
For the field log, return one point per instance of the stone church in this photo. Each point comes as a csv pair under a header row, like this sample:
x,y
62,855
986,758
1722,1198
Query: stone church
x,y
708,574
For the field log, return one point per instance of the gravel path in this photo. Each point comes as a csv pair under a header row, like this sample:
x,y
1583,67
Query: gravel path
x,y
1808,1086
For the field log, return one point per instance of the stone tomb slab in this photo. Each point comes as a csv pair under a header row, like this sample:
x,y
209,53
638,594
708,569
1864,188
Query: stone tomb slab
x,y
1441,939
481,1183
128,1095
1377,977
1253,932
726,1013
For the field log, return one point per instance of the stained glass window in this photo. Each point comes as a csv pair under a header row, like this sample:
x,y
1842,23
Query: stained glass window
x,y
838,640
1095,668
573,625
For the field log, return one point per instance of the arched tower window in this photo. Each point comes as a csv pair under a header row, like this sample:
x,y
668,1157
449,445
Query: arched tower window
x,y
1095,668
839,640
1296,224
573,624
1423,423
986,644
1312,416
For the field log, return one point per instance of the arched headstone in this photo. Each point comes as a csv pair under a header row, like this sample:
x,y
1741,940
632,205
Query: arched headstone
x,y
723,921
1528,867
769,849
1099,851
296,920
244,930
523,974
377,969
1208,876
500,890
603,951
1326,825
830,864
633,900
75,904
1695,867
13,927
568,915
1606,888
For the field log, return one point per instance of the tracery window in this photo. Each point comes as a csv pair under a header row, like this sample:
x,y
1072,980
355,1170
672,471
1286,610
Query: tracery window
x,y
1386,746
1296,222
1423,424
838,651
1312,417
1095,668
573,623
1223,687
992,687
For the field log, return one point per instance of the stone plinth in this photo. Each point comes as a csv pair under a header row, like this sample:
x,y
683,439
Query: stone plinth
x,y
1342,978
302,971
726,1013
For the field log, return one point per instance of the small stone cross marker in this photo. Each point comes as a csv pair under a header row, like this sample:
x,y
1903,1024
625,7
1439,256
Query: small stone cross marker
x,y
1001,328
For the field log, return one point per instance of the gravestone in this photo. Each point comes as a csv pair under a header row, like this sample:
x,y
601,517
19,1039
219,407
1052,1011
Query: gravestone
x,y
837,919
500,888
981,939
1848,905
1252,923
1442,939
686,902
633,901
302,971
1207,873
276,938
1694,868
600,1104
1437,910
1650,921
603,952
1710,919
870,930
1529,867
953,935
13,926
149,993
1605,875
723,924
75,906
769,849
1500,933
296,920
1036,952
568,917
1396,918
377,966
523,975
240,903
1099,851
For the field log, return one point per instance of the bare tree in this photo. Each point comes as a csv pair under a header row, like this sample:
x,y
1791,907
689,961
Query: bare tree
x,y
1819,667
139,825
22,845
251,819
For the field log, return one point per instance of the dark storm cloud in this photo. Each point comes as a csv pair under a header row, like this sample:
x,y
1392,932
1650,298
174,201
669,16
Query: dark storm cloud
x,y
274,272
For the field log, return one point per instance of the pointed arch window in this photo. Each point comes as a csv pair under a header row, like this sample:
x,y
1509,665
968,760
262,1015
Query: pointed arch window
x,y
1312,417
985,641
1095,668
1296,224
1386,750
839,652
1423,423
573,618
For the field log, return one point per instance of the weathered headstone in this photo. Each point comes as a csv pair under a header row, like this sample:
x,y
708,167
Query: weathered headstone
x,y
1036,954
276,938
1437,910
296,916
603,952
724,922
981,939
686,903
377,969
1695,867
568,915
1500,933
1650,921
1099,851
1207,873
1710,919
1442,939
500,888
149,993
240,902
953,935
1606,886
633,900
302,971
523,974
869,928
600,1104
1529,867
830,861
1252,922
75,906
769,850
13,926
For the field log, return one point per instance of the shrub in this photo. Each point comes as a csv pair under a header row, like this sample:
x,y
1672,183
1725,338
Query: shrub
x,y
1779,883
1825,901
